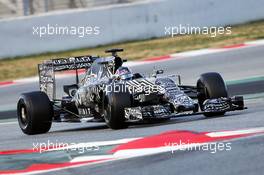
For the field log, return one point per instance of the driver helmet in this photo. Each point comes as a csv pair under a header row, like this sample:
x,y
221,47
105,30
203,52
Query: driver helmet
x,y
124,73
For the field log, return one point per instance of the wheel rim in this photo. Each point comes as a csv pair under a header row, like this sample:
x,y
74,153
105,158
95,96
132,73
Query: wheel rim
x,y
23,114
23,117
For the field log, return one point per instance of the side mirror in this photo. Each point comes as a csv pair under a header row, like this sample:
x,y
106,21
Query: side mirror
x,y
157,72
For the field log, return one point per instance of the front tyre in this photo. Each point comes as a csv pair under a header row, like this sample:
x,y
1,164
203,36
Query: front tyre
x,y
114,105
211,85
34,112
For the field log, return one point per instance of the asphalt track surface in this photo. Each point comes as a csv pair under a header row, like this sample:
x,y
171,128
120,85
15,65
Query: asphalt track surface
x,y
246,156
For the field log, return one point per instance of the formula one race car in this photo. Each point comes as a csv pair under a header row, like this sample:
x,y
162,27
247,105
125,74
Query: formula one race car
x,y
111,93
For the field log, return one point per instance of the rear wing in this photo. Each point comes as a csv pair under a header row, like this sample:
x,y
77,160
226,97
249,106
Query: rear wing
x,y
48,69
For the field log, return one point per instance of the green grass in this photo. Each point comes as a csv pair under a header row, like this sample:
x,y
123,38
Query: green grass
x,y
27,66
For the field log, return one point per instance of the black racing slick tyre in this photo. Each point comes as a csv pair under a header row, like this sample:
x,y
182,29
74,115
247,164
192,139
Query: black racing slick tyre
x,y
34,112
211,85
114,105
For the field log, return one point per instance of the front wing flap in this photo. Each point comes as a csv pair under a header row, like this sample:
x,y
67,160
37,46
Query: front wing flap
x,y
224,104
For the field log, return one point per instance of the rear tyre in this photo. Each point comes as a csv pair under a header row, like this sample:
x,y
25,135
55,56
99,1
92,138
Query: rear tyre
x,y
211,85
114,105
35,112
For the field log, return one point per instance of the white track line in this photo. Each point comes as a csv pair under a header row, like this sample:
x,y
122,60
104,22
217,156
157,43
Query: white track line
x,y
8,123
234,133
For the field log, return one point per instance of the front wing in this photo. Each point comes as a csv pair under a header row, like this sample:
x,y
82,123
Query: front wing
x,y
164,111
